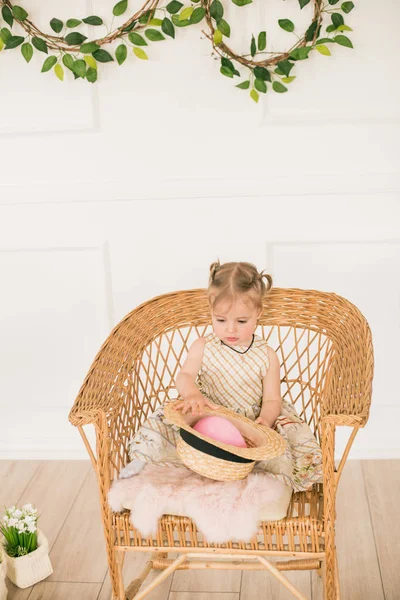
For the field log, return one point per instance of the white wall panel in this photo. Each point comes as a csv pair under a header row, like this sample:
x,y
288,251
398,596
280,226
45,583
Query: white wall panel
x,y
116,192
55,312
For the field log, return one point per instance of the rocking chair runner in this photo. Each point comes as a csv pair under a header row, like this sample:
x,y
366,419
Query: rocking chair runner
x,y
326,353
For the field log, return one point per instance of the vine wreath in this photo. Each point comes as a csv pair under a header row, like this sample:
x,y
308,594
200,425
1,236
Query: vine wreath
x,y
68,47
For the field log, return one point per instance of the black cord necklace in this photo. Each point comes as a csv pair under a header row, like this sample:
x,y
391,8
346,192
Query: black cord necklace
x,y
238,351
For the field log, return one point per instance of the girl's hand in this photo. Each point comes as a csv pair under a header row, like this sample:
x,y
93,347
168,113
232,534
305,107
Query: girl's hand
x,y
262,421
196,404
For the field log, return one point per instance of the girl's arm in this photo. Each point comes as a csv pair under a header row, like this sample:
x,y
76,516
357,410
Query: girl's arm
x,y
272,400
185,381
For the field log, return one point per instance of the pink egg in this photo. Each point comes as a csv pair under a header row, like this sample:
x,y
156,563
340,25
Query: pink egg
x,y
221,429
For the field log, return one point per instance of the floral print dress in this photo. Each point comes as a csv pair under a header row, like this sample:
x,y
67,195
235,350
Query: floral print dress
x,y
233,378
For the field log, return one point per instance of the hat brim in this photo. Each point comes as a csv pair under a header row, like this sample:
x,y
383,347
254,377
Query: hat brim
x,y
264,443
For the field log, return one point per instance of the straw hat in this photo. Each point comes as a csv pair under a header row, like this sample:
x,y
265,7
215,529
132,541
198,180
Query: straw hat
x,y
218,460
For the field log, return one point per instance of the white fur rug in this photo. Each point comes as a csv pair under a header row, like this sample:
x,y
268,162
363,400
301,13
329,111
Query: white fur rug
x,y
222,511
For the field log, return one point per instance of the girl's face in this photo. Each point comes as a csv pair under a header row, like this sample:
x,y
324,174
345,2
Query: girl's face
x,y
234,322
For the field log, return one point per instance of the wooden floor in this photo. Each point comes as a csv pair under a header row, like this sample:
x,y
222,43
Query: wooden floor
x,y
368,539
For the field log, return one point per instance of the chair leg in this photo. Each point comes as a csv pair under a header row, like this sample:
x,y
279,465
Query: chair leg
x,y
115,564
331,575
120,578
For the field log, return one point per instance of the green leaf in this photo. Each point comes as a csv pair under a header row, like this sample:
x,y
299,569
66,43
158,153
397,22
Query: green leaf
x,y
93,20
19,13
216,10
91,75
288,79
155,22
285,66
174,7
71,23
227,72
102,56
168,27
260,86
286,24
225,62
311,31
300,53
337,19
80,68
56,25
120,8
121,54
262,40
324,41
278,87
129,27
303,3
262,73
140,53
5,34
89,47
40,44
27,51
178,23
330,28
137,39
89,60
244,85
68,61
254,95
7,16
343,41
224,27
253,47
217,37
59,71
49,63
75,38
242,2
197,15
347,7
146,17
153,35
14,41
343,28
323,49
186,13
333,1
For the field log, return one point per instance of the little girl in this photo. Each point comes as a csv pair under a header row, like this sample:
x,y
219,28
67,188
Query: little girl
x,y
235,368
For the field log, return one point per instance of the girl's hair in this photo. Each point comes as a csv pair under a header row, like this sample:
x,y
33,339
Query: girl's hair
x,y
233,279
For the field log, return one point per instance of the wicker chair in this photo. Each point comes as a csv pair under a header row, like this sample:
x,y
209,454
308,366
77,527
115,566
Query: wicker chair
x,y
326,353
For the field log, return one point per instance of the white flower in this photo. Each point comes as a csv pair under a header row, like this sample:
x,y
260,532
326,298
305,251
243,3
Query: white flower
x,y
32,528
17,513
12,522
30,519
28,508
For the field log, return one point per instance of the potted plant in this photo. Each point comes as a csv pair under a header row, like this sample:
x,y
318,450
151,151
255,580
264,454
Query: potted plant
x,y
3,588
26,548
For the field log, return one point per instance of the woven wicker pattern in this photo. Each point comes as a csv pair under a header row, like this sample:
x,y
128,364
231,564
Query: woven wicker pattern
x,y
326,354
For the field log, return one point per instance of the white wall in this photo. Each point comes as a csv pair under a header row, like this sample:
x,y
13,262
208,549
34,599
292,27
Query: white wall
x,y
113,193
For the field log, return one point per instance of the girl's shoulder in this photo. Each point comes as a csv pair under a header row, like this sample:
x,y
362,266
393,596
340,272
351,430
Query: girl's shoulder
x,y
262,346
260,342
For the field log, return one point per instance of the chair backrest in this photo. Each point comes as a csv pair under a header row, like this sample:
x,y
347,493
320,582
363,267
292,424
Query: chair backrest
x,y
323,342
